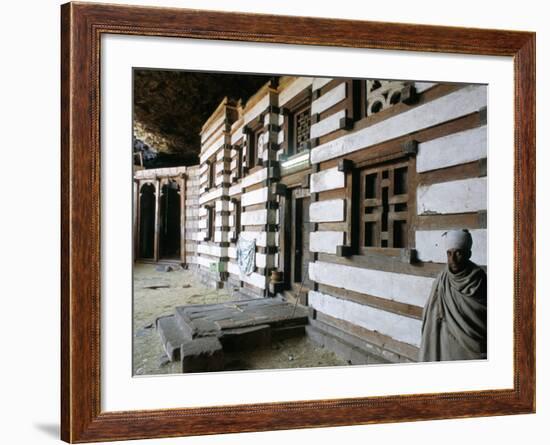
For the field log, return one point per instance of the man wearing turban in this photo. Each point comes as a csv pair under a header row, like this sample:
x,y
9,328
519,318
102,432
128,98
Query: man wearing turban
x,y
454,321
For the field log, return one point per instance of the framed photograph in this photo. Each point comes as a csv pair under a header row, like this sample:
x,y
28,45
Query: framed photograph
x,y
276,222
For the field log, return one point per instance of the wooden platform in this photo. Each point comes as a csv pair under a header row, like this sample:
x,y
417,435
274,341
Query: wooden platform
x,y
199,334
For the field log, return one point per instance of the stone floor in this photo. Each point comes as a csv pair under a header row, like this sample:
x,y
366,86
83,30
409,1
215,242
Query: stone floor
x,y
157,294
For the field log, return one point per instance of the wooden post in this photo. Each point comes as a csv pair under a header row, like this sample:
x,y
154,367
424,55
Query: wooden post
x,y
183,194
157,218
137,187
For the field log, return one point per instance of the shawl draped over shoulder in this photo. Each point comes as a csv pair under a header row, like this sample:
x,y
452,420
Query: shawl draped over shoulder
x,y
454,325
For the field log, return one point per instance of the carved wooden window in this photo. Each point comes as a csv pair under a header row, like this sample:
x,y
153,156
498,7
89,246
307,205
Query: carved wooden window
x,y
240,171
383,94
255,147
297,123
236,219
385,206
356,107
300,127
211,182
210,215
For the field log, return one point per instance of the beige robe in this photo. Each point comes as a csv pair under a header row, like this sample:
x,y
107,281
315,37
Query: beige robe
x,y
454,325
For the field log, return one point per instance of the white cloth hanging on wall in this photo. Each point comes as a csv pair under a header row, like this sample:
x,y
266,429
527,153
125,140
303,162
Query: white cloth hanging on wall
x,y
246,255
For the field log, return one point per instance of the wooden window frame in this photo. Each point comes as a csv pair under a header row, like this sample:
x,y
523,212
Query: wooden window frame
x,y
392,202
241,169
257,134
211,173
357,107
391,155
357,103
237,210
210,222
300,102
293,136
252,152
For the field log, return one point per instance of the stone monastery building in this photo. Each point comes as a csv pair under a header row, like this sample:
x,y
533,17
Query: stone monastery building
x,y
345,186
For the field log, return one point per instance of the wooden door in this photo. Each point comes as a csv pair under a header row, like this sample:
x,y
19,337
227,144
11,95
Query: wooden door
x,y
294,241
299,244
147,222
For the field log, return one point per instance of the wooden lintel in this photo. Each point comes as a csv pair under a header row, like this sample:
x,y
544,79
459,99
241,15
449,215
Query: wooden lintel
x,y
344,251
408,95
483,116
345,123
410,147
279,189
345,165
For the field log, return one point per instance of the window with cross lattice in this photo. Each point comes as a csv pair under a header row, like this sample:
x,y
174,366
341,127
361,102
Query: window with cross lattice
x,y
385,205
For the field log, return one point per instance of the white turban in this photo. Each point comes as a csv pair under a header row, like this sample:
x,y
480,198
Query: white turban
x,y
458,239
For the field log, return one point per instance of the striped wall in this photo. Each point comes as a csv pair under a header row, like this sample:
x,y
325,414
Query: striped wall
x,y
215,158
192,215
375,295
250,194
399,327
466,100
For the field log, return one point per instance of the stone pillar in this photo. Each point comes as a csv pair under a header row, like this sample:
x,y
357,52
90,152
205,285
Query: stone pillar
x,y
157,218
183,194
223,206
136,220
271,128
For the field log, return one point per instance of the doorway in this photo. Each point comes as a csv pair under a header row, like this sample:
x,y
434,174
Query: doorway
x,y
170,222
296,242
147,222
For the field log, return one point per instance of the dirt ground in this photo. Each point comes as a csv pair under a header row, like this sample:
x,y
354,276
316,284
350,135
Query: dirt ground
x,y
158,293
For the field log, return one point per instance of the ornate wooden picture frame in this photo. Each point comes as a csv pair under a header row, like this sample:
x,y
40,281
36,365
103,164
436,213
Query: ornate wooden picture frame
x,y
82,26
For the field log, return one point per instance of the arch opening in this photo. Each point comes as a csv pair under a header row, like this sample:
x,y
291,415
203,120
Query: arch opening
x,y
147,221
170,221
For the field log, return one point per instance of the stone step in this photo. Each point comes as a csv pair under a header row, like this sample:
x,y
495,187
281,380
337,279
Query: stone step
x,y
204,320
192,328
198,334
285,332
234,340
202,355
171,336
